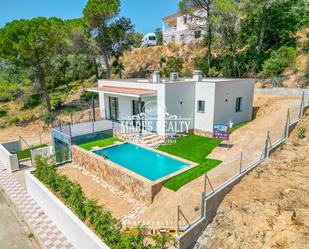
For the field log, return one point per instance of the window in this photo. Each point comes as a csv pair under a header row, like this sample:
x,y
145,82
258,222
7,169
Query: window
x,y
238,104
185,19
152,38
197,34
200,106
182,37
173,38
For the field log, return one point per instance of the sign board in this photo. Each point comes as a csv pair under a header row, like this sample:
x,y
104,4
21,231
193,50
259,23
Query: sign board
x,y
221,132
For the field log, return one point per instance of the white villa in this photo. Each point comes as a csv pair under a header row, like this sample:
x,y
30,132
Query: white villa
x,y
202,102
182,28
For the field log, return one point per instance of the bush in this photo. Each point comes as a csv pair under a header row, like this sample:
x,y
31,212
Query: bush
x,y
14,121
301,133
87,96
49,117
279,60
32,102
3,112
173,64
101,220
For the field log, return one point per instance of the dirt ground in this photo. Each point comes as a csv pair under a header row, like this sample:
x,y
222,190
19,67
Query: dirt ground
x,y
118,206
269,208
33,134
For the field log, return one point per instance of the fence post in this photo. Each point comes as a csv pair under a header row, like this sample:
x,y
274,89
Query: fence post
x,y
205,183
202,205
268,137
177,230
301,108
60,126
70,130
288,119
240,164
266,149
92,125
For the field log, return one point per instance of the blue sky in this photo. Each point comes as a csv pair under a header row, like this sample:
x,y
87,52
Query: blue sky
x,y
145,14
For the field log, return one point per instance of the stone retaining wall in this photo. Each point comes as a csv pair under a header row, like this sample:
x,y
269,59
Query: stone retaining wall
x,y
124,180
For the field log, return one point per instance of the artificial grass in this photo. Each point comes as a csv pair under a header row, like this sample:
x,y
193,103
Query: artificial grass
x,y
24,154
237,126
194,148
99,143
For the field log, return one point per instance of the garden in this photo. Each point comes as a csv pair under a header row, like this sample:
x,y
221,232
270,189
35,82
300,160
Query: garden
x,y
96,216
194,148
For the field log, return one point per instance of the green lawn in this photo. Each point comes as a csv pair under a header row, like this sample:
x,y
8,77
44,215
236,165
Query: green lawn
x,y
24,154
193,148
99,143
237,126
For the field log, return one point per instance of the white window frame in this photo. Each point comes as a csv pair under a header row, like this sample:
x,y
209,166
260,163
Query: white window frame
x,y
238,106
203,106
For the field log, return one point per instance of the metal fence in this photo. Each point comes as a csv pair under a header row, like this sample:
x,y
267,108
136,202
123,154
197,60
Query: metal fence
x,y
85,128
213,192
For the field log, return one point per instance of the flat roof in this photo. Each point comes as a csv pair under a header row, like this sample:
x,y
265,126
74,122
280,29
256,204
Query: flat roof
x,y
180,80
172,16
123,90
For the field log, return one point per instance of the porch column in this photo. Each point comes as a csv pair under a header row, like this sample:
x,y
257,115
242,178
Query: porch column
x,y
139,112
161,110
102,105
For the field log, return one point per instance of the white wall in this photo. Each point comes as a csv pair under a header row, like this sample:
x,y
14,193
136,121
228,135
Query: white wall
x,y
205,91
10,160
179,100
76,231
225,102
182,28
126,102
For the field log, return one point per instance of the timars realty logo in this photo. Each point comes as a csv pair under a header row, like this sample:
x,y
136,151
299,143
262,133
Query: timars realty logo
x,y
153,117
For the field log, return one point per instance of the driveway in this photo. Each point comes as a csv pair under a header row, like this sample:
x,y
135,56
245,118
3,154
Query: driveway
x,y
14,233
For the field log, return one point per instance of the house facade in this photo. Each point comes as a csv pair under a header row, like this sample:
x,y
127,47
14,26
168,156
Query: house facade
x,y
195,103
180,28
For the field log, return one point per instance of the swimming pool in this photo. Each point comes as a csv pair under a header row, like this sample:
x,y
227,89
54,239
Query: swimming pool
x,y
145,162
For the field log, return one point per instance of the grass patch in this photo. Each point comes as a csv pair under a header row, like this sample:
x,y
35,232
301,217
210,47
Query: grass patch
x,y
24,154
99,143
193,148
237,126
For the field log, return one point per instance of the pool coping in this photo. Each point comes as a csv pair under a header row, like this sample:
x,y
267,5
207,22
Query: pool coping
x,y
142,178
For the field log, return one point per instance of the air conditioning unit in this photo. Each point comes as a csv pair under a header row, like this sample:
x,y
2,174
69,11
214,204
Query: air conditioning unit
x,y
174,76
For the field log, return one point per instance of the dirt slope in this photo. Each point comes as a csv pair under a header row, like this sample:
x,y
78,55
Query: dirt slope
x,y
269,208
141,60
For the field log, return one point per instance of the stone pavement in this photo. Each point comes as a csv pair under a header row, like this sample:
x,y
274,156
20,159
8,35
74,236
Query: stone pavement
x,y
44,229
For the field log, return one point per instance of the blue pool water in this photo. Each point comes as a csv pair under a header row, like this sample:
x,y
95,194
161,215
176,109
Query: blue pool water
x,y
142,161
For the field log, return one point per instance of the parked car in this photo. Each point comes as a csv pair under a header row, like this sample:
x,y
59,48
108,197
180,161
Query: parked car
x,y
149,40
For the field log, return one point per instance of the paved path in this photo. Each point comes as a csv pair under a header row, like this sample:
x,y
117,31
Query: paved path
x,y
44,229
11,227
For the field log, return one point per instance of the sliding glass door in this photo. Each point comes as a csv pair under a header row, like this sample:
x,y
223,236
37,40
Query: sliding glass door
x,y
113,108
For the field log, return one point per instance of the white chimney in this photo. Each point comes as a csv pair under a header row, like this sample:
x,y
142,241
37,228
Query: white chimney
x,y
156,77
173,76
197,76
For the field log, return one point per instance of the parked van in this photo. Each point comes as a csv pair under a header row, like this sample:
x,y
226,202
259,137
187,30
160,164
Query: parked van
x,y
149,40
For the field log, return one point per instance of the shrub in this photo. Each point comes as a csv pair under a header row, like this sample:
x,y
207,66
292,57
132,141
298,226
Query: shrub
x,y
187,72
279,60
301,133
32,102
86,96
49,117
14,121
173,64
3,112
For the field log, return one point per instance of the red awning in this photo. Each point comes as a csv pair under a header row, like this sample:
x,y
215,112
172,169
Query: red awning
x,y
123,90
